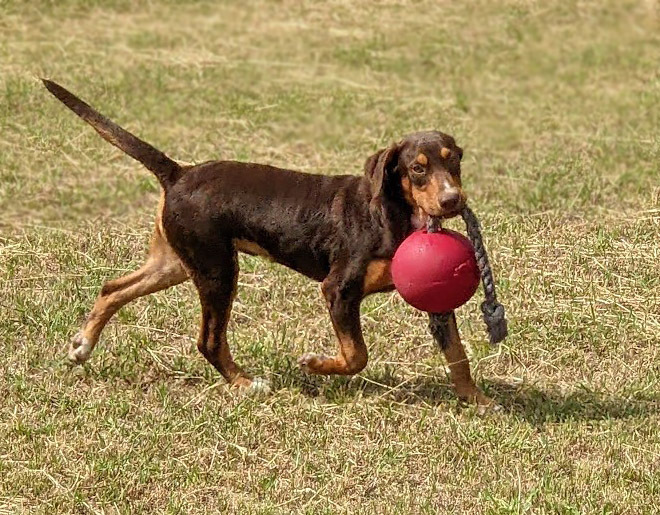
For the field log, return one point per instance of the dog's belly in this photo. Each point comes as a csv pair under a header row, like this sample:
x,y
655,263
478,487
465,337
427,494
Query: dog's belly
x,y
252,248
306,260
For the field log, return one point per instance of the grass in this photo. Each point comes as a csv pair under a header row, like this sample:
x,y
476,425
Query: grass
x,y
556,104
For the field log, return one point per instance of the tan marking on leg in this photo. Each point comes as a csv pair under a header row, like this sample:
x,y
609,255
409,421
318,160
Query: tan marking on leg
x,y
378,277
161,270
352,355
351,358
459,367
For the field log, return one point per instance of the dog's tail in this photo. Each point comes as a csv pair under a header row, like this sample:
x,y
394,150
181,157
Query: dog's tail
x,y
166,170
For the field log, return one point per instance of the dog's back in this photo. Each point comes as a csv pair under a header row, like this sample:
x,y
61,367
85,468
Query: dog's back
x,y
282,214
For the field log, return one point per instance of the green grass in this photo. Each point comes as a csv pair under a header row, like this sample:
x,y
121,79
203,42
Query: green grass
x,y
556,104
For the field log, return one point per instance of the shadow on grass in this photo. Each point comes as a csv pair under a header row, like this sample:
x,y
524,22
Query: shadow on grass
x,y
535,405
539,406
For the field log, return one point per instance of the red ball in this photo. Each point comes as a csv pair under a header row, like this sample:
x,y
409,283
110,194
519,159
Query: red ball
x,y
435,272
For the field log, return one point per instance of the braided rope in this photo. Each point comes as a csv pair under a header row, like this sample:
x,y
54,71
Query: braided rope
x,y
493,312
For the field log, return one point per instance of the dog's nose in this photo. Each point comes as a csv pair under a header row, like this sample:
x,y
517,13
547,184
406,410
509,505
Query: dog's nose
x,y
450,200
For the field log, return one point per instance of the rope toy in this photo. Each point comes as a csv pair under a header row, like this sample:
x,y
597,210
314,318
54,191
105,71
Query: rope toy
x,y
492,310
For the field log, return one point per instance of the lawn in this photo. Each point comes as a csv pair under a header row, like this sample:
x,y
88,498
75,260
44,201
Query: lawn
x,y
557,105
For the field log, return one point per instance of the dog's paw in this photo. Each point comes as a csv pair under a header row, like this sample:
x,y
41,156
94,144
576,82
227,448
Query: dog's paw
x,y
310,362
259,386
485,409
80,349
486,405
482,404
256,386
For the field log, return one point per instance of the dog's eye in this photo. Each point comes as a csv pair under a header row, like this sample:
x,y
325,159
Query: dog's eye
x,y
417,169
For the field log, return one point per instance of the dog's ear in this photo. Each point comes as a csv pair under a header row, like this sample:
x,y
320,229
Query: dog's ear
x,y
377,167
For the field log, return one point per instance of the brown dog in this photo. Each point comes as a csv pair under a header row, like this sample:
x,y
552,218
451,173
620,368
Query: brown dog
x,y
339,230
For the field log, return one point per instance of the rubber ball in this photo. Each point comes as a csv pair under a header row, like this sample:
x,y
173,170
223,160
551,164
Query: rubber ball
x,y
435,272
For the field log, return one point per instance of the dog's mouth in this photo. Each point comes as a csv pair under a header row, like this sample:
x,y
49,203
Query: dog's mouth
x,y
441,213
420,219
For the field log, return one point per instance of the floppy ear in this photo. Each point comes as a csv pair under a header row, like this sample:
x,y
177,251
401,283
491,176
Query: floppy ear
x,y
377,167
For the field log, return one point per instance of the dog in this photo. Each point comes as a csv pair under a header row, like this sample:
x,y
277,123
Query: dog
x,y
341,231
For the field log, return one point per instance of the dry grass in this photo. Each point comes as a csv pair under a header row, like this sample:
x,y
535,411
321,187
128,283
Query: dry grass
x,y
556,104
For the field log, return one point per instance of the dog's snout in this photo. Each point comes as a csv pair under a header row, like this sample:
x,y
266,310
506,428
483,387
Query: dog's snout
x,y
450,200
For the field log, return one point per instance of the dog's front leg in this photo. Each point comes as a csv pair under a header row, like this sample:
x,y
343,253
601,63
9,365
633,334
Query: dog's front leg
x,y
343,298
459,367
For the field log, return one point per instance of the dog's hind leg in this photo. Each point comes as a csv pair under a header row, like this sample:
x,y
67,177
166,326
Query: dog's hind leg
x,y
161,270
216,283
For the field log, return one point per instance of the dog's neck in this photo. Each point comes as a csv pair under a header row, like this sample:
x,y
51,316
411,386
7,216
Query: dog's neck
x,y
397,220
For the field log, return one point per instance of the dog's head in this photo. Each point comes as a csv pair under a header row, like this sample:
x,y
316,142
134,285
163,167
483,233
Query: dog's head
x,y
426,168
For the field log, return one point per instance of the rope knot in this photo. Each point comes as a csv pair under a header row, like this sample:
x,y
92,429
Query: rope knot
x,y
494,316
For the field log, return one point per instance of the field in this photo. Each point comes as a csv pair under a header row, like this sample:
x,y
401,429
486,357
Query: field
x,y
556,104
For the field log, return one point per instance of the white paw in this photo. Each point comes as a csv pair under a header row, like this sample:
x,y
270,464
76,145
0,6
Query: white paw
x,y
259,386
80,349
305,362
485,409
